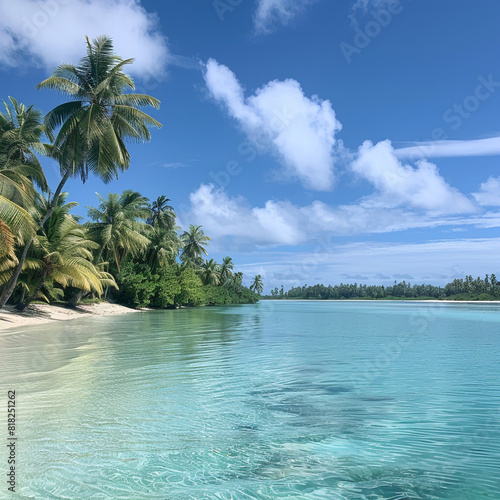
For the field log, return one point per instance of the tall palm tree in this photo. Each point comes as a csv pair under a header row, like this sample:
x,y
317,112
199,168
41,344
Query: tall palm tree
x,y
210,273
61,255
162,213
117,226
194,242
93,126
257,284
20,131
163,248
226,269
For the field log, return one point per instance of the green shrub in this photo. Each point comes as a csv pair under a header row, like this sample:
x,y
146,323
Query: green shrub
x,y
137,285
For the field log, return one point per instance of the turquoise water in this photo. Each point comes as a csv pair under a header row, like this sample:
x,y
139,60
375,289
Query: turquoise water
x,y
308,400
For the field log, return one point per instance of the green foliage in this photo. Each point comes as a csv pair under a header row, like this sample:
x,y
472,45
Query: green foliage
x,y
101,114
459,289
167,288
137,285
223,295
257,284
45,252
194,242
191,289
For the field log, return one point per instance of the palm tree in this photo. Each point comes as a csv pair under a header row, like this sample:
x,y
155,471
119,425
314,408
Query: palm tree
x,y
194,242
226,269
210,273
21,128
94,125
162,213
257,285
61,255
163,248
20,132
117,225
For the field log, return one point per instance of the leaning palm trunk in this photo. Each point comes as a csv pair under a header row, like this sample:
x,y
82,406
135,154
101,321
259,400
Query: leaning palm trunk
x,y
10,286
75,300
94,125
23,304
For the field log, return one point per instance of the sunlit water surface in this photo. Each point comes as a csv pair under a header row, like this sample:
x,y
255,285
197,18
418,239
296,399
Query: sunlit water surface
x,y
308,400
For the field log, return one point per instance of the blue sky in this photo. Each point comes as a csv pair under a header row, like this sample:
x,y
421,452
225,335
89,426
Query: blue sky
x,y
315,141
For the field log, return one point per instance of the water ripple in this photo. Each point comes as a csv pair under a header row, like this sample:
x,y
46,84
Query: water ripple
x,y
313,401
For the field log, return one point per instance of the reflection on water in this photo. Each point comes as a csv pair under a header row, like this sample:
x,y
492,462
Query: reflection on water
x,y
278,400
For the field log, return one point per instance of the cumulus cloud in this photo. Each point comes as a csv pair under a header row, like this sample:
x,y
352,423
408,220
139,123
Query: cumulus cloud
x,y
398,184
283,223
222,216
50,32
489,193
280,118
273,13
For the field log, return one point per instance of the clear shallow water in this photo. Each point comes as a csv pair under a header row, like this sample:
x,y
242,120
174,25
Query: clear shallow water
x,y
308,400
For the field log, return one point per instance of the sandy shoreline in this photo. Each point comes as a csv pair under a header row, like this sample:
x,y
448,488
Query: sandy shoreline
x,y
37,314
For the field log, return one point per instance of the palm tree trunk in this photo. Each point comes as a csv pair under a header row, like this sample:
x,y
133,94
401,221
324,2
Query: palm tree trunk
x,y
11,284
75,300
23,304
20,306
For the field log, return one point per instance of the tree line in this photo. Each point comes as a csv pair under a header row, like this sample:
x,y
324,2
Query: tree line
x,y
129,249
459,289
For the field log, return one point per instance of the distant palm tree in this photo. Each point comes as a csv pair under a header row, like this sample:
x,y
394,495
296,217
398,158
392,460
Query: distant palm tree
x,y
226,269
163,214
194,242
210,273
117,225
94,124
257,285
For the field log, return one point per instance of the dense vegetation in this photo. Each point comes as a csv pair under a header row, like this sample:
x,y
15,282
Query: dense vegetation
x,y
130,250
459,289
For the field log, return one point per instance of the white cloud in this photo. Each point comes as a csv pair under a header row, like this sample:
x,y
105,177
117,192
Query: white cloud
x,y
436,149
223,216
272,13
435,262
489,193
283,223
279,118
51,32
397,184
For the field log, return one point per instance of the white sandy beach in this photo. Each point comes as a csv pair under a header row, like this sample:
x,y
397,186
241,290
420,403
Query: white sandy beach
x,y
37,314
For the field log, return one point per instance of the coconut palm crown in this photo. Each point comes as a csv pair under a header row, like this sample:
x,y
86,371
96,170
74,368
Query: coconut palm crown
x,y
101,115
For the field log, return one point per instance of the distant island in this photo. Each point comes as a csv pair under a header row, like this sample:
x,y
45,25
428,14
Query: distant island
x,y
468,289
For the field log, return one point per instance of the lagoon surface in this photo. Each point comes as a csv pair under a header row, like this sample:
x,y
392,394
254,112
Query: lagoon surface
x,y
307,400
